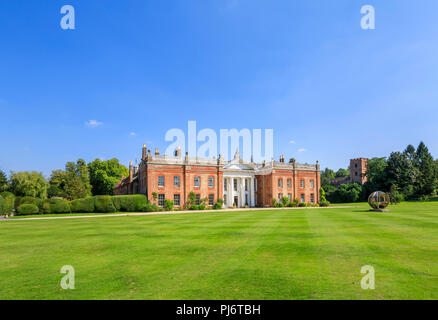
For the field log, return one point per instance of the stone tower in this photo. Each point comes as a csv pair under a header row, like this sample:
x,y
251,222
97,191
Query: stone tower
x,y
358,169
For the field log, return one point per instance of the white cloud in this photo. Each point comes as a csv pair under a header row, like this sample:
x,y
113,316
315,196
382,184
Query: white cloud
x,y
93,123
302,150
292,142
132,134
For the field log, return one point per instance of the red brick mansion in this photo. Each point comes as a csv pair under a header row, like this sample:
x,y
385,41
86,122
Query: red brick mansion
x,y
237,182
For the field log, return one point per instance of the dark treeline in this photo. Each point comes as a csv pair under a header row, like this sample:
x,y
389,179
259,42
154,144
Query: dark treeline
x,y
408,175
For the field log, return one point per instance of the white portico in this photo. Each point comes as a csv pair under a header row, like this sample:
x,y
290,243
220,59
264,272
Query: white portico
x,y
239,183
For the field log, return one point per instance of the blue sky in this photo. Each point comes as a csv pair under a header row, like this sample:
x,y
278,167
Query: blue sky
x,y
303,68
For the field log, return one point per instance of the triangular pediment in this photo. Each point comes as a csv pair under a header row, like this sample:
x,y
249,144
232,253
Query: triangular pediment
x,y
238,165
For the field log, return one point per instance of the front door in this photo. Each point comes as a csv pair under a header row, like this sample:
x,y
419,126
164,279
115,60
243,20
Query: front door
x,y
236,201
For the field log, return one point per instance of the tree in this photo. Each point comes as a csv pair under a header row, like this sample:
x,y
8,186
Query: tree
x,y
327,176
4,183
29,184
347,192
427,178
376,176
322,194
73,183
342,173
401,174
105,174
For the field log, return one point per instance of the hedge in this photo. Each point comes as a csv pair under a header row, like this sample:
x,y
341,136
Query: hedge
x,y
83,205
56,206
104,204
27,208
17,202
129,203
29,200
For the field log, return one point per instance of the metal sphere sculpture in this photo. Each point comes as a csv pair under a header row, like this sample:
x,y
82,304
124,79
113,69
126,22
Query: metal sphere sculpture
x,y
378,200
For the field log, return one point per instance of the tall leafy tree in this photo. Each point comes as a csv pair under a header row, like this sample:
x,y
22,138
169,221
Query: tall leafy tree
x,y
327,176
427,179
376,175
410,152
73,183
105,174
29,184
4,183
401,173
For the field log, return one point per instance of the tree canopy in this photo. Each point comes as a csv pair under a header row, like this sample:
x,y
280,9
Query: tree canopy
x,y
105,174
26,183
4,183
342,173
73,183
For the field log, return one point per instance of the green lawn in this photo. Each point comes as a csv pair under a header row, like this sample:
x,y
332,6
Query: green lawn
x,y
278,254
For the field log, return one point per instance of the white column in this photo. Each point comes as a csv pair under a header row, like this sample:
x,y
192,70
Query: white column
x,y
242,192
252,193
232,192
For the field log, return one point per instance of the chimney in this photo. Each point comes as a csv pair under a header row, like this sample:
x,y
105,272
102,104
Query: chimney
x,y
178,152
143,153
282,159
157,152
131,172
264,163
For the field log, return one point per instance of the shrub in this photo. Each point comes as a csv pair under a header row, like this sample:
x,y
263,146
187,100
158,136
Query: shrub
x,y
274,202
104,204
17,202
150,207
130,203
83,205
285,201
55,205
324,203
31,200
424,198
302,204
293,204
27,200
279,205
218,204
45,208
27,208
9,199
168,205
